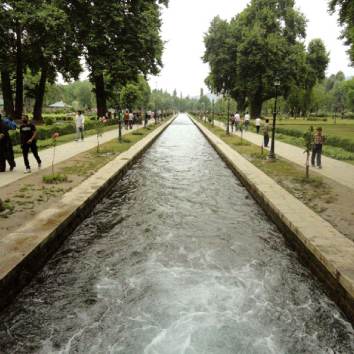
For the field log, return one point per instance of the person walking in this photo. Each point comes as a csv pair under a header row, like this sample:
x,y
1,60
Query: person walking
x,y
80,123
146,118
232,121
237,121
266,133
126,119
131,120
258,124
6,148
247,120
4,133
318,141
28,136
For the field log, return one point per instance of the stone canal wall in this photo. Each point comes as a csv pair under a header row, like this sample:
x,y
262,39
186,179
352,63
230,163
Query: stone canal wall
x,y
328,253
24,252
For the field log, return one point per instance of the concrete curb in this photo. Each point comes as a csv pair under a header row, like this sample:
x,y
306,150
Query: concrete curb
x,y
328,253
24,252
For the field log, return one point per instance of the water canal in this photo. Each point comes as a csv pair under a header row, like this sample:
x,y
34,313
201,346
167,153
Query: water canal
x,y
178,259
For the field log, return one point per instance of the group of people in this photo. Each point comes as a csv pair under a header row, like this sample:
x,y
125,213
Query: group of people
x,y
318,139
28,140
29,135
240,123
137,117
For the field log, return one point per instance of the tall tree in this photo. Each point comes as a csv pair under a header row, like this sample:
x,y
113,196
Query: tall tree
x,y
262,43
221,53
121,40
346,19
317,60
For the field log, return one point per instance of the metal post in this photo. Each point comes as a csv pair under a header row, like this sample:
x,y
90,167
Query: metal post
x,y
272,147
212,117
228,117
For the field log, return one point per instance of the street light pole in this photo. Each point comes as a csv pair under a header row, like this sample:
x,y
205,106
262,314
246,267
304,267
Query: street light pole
x,y
212,116
272,150
228,116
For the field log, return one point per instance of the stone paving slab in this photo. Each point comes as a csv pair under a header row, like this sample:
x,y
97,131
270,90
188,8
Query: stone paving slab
x,y
339,171
25,251
327,252
62,152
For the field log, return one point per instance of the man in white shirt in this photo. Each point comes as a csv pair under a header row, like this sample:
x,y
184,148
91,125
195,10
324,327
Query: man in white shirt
x,y
237,121
247,120
80,122
258,124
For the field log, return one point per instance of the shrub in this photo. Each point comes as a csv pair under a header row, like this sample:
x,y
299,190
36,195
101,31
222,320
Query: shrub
x,y
48,120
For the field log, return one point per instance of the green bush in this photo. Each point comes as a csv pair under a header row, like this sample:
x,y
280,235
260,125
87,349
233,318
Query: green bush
x,y
48,120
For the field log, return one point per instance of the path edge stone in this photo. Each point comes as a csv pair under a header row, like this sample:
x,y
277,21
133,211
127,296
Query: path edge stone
x,y
331,267
24,252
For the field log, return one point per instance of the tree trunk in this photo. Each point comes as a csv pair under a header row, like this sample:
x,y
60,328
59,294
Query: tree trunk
x,y
40,91
101,98
19,74
241,104
256,107
7,94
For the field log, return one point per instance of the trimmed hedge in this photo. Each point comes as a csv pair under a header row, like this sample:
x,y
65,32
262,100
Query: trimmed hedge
x,y
45,132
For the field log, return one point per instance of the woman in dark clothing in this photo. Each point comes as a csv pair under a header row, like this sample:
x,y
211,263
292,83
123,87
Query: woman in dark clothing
x,y
6,149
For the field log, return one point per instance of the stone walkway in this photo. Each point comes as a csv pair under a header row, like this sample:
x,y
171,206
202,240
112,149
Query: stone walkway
x,y
339,171
63,152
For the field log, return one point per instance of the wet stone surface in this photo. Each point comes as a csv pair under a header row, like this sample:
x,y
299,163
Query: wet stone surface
x,y
178,259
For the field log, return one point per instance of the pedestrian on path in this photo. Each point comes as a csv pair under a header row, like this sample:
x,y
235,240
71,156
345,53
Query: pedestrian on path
x,y
6,148
28,135
232,120
318,141
80,124
266,133
146,119
126,119
237,121
131,120
247,120
258,124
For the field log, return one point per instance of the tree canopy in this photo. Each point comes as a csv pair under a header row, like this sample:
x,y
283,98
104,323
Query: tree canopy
x,y
119,40
346,19
262,44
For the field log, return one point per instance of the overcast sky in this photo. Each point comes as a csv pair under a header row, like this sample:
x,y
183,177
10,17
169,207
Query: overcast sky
x,y
186,22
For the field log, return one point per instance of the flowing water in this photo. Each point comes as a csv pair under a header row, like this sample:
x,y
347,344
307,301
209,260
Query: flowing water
x,y
178,259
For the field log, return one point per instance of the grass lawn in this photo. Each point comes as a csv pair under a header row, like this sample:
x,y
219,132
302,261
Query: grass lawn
x,y
343,129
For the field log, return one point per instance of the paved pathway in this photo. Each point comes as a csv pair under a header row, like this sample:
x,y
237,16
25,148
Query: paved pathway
x,y
63,152
339,171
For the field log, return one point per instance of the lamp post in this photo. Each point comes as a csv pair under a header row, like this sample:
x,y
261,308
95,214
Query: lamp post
x,y
212,116
228,117
271,152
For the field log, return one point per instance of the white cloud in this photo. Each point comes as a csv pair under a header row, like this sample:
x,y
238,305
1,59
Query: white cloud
x,y
186,21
